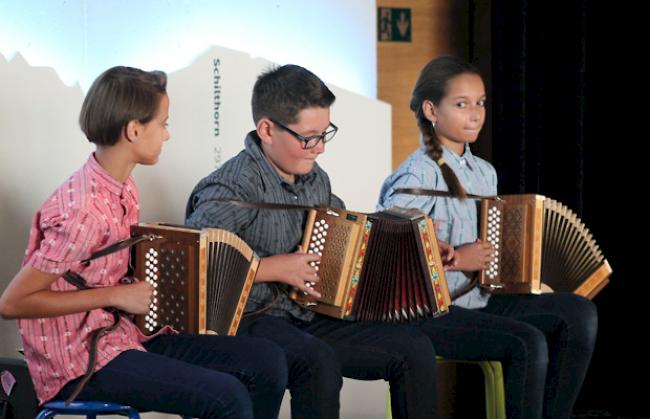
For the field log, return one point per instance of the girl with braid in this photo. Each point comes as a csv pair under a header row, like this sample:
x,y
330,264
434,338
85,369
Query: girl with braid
x,y
544,342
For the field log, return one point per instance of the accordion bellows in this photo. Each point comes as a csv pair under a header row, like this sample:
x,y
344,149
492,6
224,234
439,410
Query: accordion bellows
x,y
377,267
201,278
540,246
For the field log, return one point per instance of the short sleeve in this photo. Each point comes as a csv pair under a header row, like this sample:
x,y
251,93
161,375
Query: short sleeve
x,y
59,239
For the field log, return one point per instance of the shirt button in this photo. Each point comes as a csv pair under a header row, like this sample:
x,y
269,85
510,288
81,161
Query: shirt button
x,y
295,197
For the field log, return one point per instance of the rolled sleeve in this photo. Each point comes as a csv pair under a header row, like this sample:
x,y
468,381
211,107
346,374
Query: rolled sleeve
x,y
65,239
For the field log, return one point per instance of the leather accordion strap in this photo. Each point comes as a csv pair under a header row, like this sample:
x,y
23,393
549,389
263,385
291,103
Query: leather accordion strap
x,y
265,205
79,282
122,244
434,192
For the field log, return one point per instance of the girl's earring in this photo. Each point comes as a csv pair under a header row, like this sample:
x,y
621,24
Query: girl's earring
x,y
433,124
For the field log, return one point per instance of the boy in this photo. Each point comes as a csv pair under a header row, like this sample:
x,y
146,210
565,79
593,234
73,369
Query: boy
x,y
291,110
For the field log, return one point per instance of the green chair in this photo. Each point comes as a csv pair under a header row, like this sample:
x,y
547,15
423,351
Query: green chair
x,y
495,399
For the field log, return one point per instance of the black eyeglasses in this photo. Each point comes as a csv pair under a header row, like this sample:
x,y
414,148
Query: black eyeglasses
x,y
313,140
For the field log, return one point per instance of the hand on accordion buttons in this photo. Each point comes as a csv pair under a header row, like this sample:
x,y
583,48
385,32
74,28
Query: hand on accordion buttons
x,y
309,283
473,256
295,269
306,272
133,298
448,255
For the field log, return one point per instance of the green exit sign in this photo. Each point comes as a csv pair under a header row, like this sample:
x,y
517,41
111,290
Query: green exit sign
x,y
393,25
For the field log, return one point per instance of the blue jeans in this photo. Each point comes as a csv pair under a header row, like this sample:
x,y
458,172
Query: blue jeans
x,y
320,352
544,342
199,376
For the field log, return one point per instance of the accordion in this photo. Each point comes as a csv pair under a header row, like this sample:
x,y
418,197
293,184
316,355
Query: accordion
x,y
201,278
378,267
539,246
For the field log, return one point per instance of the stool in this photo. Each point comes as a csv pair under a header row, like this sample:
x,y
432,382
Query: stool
x,y
495,399
91,409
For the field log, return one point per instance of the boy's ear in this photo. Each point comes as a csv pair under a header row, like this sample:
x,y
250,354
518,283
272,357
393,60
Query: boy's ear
x,y
131,131
263,129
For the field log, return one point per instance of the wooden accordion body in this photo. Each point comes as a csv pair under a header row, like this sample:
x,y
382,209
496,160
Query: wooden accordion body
x,y
540,246
201,278
382,267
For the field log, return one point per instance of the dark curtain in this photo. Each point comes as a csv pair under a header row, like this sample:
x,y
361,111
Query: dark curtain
x,y
538,98
556,131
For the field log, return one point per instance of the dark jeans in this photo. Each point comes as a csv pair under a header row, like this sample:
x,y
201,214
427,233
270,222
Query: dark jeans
x,y
321,351
544,342
199,376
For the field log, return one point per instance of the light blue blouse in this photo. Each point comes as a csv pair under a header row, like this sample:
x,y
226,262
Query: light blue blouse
x,y
457,219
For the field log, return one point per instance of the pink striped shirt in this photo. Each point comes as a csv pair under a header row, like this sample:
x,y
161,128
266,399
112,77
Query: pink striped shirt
x,y
88,212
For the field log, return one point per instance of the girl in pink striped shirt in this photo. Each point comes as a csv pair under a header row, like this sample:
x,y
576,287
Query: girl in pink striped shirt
x,y
125,115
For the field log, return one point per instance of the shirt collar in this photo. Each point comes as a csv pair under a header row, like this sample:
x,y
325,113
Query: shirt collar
x,y
450,156
466,160
254,149
101,176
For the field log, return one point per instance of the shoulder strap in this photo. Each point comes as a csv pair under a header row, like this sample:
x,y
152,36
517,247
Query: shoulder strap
x,y
267,205
434,192
122,244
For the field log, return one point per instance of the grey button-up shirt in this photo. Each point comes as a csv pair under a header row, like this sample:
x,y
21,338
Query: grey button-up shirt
x,y
457,220
250,177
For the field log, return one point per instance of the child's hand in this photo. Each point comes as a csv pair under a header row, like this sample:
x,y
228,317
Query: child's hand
x,y
294,269
448,255
474,256
133,298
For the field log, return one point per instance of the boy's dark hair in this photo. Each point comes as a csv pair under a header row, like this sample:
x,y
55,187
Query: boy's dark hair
x,y
282,92
118,96
433,85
